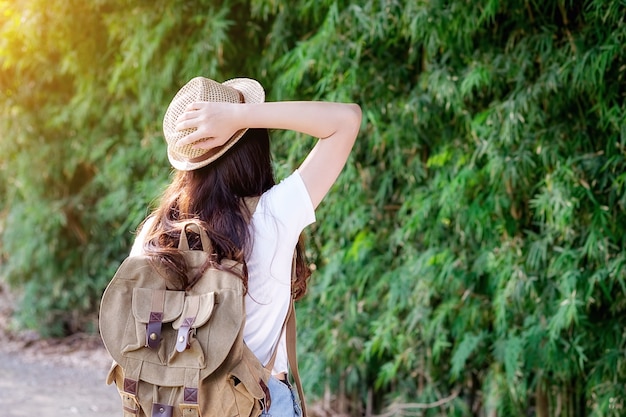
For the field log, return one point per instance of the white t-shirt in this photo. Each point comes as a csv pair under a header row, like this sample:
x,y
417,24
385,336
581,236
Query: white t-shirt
x,y
281,214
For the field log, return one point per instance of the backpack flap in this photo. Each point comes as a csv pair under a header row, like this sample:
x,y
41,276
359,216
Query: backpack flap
x,y
196,312
151,308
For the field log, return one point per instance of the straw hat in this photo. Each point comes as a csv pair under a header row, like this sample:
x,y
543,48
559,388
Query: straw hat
x,y
237,90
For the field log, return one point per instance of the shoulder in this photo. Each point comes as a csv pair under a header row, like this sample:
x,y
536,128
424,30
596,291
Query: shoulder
x,y
288,199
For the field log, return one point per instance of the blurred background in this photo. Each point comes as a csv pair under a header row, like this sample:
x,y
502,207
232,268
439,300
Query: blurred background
x,y
469,262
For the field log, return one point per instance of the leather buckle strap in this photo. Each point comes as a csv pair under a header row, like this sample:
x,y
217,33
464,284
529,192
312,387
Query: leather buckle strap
x,y
267,400
189,407
185,330
153,328
130,404
162,410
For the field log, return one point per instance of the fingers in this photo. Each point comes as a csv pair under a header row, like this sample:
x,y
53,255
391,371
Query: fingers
x,y
191,119
196,105
197,140
205,124
185,123
188,119
192,111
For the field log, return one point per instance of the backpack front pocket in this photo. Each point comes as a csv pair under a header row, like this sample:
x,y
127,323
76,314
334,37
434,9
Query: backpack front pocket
x,y
153,311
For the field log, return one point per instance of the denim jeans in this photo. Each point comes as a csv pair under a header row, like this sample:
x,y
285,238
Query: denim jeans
x,y
284,400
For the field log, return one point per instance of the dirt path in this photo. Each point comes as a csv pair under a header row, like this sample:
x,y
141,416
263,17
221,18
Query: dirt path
x,y
50,390
55,379
52,377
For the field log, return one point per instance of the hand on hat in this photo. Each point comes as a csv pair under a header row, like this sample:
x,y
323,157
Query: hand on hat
x,y
214,124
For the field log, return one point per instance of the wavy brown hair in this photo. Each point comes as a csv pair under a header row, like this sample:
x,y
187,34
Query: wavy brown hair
x,y
214,196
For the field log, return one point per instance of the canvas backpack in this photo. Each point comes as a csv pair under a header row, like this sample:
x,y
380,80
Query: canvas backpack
x,y
181,353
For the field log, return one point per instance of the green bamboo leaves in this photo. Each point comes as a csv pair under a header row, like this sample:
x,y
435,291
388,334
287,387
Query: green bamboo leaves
x,y
470,260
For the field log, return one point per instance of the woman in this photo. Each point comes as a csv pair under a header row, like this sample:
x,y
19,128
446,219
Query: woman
x,y
217,137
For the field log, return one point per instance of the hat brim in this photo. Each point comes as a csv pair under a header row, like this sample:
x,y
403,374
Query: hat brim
x,y
252,92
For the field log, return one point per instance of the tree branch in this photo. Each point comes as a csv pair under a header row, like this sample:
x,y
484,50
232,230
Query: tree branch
x,y
400,408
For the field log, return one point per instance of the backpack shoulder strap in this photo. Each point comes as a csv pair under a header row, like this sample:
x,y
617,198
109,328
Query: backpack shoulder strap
x,y
292,356
250,204
289,326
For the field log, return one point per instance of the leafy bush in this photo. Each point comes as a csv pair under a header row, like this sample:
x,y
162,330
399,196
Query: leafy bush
x,y
470,259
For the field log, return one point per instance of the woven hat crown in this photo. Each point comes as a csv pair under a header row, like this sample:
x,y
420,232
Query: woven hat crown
x,y
237,90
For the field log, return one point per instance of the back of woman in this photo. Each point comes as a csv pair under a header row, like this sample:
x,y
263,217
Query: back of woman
x,y
218,142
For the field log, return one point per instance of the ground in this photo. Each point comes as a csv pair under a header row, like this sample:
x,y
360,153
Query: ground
x,y
52,377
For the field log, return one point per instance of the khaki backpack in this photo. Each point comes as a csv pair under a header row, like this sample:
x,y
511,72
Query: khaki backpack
x,y
181,353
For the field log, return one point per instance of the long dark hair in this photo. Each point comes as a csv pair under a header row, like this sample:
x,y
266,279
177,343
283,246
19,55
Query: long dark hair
x,y
215,197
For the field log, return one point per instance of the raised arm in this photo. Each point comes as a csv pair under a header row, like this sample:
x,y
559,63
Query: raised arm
x,y
335,124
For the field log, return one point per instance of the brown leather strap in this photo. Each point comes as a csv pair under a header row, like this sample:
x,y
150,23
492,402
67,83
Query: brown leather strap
x,y
291,340
130,402
190,406
289,327
292,356
162,410
153,328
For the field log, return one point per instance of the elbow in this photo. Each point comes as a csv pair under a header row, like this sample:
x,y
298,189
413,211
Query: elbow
x,y
355,117
346,121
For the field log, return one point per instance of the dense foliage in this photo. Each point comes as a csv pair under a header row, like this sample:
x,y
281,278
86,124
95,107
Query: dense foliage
x,y
470,260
